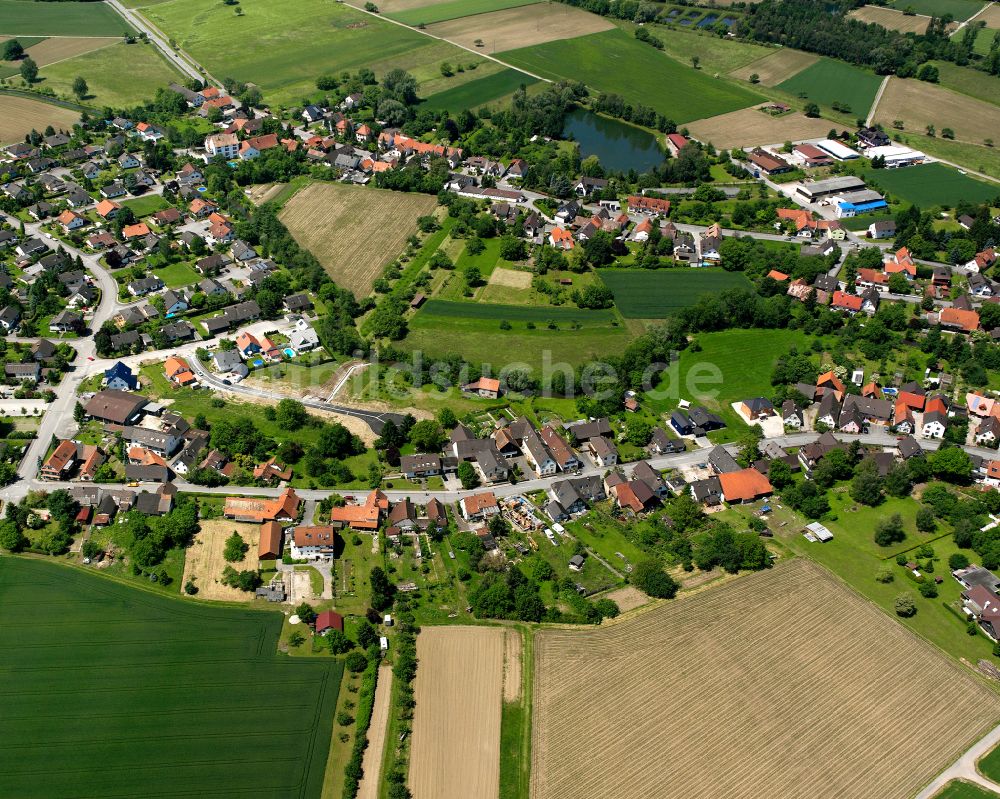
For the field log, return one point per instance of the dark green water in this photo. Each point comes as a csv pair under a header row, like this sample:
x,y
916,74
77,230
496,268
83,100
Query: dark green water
x,y
619,147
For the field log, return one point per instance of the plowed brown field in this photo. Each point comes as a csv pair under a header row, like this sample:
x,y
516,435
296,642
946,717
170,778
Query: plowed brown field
x,y
456,726
779,684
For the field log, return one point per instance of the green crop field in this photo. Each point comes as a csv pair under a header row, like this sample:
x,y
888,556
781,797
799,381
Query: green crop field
x,y
658,294
960,10
828,81
964,790
972,82
927,185
109,690
293,43
454,9
118,76
479,91
989,764
60,19
473,331
613,61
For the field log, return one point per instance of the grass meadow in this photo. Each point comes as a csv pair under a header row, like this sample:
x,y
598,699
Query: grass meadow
x,y
828,81
25,17
725,367
453,9
291,43
928,185
136,694
989,764
120,75
473,330
658,294
479,91
615,62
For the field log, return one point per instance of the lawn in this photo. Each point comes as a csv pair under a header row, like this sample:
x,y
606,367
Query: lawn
x,y
63,19
169,698
473,330
658,294
828,81
293,43
177,275
146,205
964,790
454,9
478,92
120,75
928,185
615,62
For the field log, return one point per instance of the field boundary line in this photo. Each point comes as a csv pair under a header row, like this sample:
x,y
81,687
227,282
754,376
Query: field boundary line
x,y
95,50
69,106
878,96
449,41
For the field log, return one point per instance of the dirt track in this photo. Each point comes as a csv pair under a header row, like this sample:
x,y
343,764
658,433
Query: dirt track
x,y
371,765
456,730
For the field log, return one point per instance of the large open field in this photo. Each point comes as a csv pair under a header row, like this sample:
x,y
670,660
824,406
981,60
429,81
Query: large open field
x,y
729,366
716,55
615,62
514,27
958,9
453,9
19,115
204,562
56,48
892,19
456,726
473,331
750,127
964,790
928,185
919,104
293,43
777,67
479,91
828,81
729,693
660,293
119,75
63,19
112,691
969,81
354,232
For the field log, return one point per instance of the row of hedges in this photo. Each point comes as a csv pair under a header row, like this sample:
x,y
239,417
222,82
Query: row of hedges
x,y
366,702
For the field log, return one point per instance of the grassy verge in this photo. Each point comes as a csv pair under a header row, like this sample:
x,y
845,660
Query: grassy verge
x,y
515,729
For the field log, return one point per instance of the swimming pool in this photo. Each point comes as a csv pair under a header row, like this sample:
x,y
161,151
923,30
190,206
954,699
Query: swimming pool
x,y
289,352
258,362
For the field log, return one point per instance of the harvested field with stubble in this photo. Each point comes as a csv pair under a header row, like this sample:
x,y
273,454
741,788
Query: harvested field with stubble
x,y
777,67
778,684
354,232
919,104
519,27
19,115
510,278
751,127
892,19
456,727
60,48
204,562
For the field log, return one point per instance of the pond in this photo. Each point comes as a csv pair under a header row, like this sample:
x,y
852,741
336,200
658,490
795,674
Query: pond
x,y
620,147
